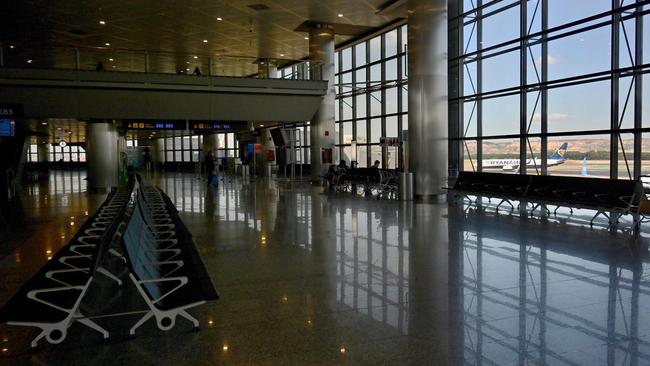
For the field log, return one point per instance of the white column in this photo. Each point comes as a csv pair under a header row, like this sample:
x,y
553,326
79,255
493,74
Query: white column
x,y
321,56
102,155
428,95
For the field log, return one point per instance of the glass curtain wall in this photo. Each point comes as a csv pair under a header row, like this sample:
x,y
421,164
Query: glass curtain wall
x,y
552,87
188,149
371,100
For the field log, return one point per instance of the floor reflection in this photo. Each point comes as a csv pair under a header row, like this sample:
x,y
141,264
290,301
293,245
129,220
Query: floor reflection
x,y
524,303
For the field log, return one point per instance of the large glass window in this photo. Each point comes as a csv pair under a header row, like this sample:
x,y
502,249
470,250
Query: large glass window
x,y
553,93
374,103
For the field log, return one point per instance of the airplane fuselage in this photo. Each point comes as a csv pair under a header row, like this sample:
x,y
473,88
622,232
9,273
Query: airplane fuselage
x,y
513,164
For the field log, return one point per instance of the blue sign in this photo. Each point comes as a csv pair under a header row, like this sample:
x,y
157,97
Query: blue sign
x,y
7,127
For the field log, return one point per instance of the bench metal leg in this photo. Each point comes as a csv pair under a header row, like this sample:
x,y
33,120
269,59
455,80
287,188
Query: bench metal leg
x,y
512,207
142,320
108,274
591,223
92,325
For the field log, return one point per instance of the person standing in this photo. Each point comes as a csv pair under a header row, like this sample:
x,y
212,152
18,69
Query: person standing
x,y
210,167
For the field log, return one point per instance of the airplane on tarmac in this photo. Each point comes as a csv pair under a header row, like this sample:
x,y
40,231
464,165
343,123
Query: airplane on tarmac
x,y
513,164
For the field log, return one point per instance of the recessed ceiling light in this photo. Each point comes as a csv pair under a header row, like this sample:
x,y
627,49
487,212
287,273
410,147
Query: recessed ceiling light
x,y
306,37
108,44
111,60
219,19
44,123
195,57
205,41
340,15
187,62
261,125
282,55
12,46
29,61
187,69
102,22
262,62
58,128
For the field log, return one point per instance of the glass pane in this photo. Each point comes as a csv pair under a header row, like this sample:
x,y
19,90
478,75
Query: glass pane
x,y
361,105
360,53
362,135
500,27
375,49
469,155
626,156
493,76
186,155
390,40
501,116
579,108
375,130
391,100
375,103
501,156
346,103
562,11
375,154
579,54
347,59
391,126
362,156
586,156
347,132
391,69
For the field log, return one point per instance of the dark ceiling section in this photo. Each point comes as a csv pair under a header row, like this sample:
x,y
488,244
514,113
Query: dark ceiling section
x,y
176,35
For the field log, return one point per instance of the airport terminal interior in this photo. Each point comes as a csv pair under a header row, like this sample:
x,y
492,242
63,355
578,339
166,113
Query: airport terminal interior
x,y
325,182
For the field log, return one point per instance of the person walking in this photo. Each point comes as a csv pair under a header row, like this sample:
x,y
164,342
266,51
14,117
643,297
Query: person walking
x,y
210,169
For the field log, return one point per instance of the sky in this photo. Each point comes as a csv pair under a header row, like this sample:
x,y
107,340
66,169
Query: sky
x,y
583,107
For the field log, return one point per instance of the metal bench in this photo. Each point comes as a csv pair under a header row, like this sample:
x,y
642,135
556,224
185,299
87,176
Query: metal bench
x,y
167,272
611,198
50,300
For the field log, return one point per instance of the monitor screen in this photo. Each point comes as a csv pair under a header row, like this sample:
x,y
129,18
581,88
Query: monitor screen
x,y
7,127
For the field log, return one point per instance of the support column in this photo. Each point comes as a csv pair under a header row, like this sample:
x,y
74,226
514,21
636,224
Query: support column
x,y
321,56
43,153
428,95
102,155
210,143
266,69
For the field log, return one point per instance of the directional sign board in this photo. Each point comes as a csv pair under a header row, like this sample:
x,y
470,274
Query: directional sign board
x,y
154,125
217,126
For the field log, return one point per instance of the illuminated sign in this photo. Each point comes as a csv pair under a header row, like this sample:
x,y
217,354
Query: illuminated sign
x,y
217,126
7,127
154,125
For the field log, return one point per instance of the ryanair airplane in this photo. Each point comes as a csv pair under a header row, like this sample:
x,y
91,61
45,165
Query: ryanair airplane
x,y
513,164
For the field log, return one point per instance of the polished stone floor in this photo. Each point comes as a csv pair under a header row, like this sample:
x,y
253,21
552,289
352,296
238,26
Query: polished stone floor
x,y
310,277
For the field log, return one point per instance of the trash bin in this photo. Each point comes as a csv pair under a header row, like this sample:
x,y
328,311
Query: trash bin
x,y
406,186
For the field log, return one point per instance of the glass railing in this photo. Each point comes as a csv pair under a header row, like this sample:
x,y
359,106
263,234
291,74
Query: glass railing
x,y
120,60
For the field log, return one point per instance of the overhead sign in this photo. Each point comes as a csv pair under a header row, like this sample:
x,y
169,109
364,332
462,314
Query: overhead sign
x,y
389,141
11,110
217,126
154,125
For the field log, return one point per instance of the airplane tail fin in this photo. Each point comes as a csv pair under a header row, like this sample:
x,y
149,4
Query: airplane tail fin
x,y
559,154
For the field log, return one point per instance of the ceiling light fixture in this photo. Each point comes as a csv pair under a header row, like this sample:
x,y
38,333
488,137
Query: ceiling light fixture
x,y
219,19
340,15
195,57
205,41
306,37
29,61
111,60
282,55
44,123
102,22
108,44
12,47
